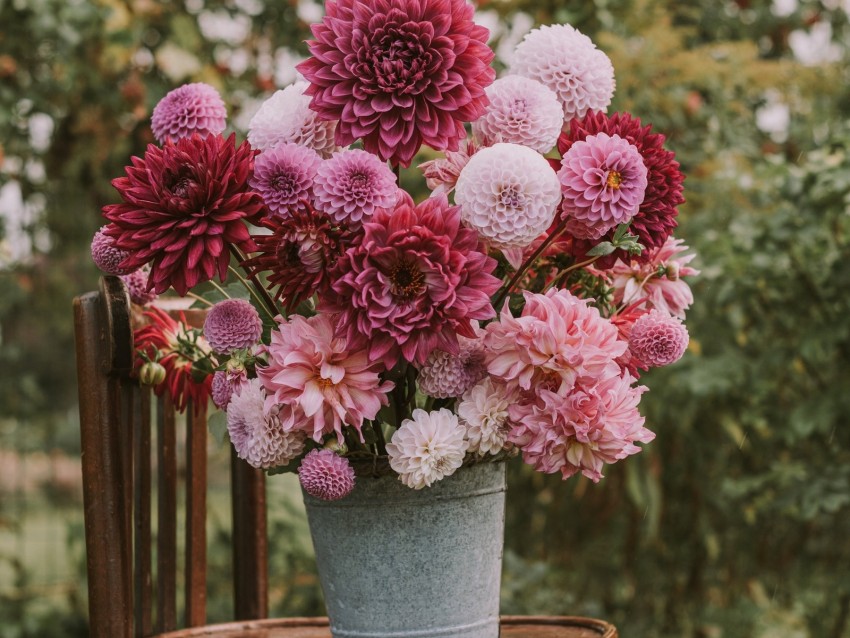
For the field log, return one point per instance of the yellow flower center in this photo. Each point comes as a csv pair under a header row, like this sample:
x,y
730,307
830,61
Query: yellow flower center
x,y
614,179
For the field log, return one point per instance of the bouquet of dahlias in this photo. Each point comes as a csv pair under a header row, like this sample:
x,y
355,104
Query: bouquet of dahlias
x,y
511,312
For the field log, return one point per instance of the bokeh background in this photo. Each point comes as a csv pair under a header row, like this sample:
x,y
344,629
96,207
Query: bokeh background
x,y
735,522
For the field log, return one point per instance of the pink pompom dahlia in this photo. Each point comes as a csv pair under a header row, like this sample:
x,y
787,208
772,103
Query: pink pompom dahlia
x,y
657,339
184,205
106,256
225,383
284,175
232,324
136,283
398,74
325,381
414,282
326,475
603,180
189,109
446,375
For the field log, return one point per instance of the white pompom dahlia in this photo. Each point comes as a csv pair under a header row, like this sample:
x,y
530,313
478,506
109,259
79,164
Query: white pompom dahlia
x,y
509,194
484,412
427,448
567,61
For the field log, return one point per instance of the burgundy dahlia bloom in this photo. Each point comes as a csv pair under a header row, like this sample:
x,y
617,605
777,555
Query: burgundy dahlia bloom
x,y
656,216
413,283
398,74
184,205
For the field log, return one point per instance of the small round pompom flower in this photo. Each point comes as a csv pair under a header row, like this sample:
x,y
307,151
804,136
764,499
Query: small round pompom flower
x,y
484,412
508,193
286,117
189,109
283,176
446,375
399,74
232,324
259,437
657,339
136,283
428,447
106,256
567,61
224,384
522,111
604,182
326,475
352,184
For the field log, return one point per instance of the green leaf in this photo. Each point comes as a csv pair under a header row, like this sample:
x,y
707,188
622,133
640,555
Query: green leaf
x,y
600,250
217,423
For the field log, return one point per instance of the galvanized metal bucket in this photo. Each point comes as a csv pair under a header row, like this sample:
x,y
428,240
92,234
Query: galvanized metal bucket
x,y
396,562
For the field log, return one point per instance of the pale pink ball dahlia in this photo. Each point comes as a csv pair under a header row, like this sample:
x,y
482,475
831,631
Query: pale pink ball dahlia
x,y
427,448
581,431
189,109
352,184
283,176
521,111
287,117
260,436
137,283
483,411
325,381
232,324
508,194
657,339
107,256
413,284
565,60
398,74
604,182
446,375
326,475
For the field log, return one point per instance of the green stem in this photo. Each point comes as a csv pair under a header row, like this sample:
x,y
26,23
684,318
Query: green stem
x,y
252,292
379,435
199,298
563,276
259,293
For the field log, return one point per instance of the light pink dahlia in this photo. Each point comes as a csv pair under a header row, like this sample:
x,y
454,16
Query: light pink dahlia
x,y
657,339
446,375
261,436
232,324
283,176
137,283
224,384
441,174
413,284
398,74
107,256
483,411
565,60
521,111
427,448
191,108
558,341
322,378
508,194
287,117
581,431
352,184
326,475
604,182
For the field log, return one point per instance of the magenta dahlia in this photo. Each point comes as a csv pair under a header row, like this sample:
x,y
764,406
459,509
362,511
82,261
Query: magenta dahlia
x,y
232,324
191,108
656,216
326,475
413,284
399,74
284,175
184,205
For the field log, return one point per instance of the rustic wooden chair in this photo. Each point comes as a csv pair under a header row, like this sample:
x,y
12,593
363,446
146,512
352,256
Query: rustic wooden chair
x,y
124,588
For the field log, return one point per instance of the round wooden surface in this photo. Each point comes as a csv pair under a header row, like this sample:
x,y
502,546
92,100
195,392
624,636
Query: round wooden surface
x,y
512,627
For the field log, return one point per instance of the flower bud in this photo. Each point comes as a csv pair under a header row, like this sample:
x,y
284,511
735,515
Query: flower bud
x,y
235,367
672,271
336,445
151,373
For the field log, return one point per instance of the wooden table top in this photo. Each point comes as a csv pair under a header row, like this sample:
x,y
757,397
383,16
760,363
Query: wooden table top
x,y
512,627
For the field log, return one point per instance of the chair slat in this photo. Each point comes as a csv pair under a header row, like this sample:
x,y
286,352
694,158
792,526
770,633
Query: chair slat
x,y
250,546
166,539
196,515
142,585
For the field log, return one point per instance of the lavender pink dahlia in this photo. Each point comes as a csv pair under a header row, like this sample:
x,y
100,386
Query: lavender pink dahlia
x,y
398,74
232,324
107,256
225,383
446,375
414,282
189,109
184,205
326,475
136,283
657,339
604,182
284,175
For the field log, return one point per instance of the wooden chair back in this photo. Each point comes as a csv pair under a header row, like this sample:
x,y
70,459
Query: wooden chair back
x,y
132,572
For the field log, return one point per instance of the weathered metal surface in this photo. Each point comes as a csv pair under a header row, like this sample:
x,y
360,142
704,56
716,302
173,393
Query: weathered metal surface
x,y
250,541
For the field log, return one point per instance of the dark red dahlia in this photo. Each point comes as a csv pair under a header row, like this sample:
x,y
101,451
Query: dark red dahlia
x,y
298,254
399,73
184,204
656,217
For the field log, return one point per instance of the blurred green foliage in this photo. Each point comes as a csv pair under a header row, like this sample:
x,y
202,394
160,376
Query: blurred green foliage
x,y
735,521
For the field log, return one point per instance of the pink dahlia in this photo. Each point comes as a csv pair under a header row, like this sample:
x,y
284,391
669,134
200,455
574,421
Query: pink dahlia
x,y
603,180
106,256
656,217
184,205
580,431
398,74
483,411
224,384
326,475
558,341
191,108
136,283
352,184
657,339
298,254
441,174
283,176
325,381
232,324
413,283
446,375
